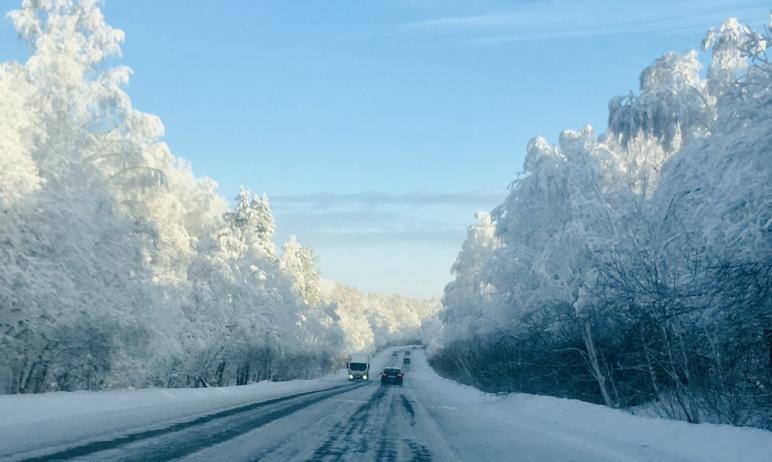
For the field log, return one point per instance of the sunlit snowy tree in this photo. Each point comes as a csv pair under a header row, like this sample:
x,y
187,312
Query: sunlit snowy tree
x,y
637,259
120,267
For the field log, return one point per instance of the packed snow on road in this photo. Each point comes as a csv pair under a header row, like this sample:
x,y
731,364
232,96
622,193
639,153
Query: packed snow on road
x,y
428,418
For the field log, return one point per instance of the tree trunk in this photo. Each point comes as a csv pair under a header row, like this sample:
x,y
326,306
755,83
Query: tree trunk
x,y
768,337
694,410
595,363
242,375
650,367
220,373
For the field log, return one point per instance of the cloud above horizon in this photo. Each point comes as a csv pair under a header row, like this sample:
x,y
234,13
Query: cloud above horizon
x,y
560,19
367,219
375,199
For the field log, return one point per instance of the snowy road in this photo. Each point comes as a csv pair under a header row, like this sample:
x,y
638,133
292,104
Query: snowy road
x,y
429,418
360,421
390,423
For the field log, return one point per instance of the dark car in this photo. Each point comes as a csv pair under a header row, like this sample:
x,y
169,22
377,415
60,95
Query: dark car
x,y
392,375
405,360
407,352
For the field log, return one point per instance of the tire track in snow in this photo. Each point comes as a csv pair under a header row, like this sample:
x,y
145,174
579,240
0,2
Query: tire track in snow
x,y
409,408
345,431
372,432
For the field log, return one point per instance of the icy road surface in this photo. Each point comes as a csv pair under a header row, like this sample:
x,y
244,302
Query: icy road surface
x,y
429,418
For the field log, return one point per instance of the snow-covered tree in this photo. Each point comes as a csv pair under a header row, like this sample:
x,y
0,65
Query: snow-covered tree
x,y
638,260
371,321
299,263
467,299
673,105
119,266
250,225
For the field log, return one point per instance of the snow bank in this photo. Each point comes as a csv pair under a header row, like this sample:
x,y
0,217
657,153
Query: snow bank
x,y
20,409
614,433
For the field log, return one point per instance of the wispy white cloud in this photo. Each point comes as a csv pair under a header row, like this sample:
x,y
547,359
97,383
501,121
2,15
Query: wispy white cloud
x,y
364,228
560,19
375,199
370,219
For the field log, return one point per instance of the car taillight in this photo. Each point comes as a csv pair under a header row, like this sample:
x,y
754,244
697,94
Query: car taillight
x,y
399,375
384,375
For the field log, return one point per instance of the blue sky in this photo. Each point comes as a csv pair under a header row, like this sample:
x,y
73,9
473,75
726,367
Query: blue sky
x,y
378,129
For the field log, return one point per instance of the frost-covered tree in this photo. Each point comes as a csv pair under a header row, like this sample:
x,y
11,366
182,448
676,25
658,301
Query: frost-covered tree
x,y
119,266
638,260
729,49
467,299
68,319
18,170
250,225
674,104
372,321
299,263
348,305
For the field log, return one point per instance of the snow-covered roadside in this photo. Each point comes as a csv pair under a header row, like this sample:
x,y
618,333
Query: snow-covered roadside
x,y
51,419
614,434
29,422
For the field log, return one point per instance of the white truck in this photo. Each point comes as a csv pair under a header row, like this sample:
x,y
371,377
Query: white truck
x,y
358,366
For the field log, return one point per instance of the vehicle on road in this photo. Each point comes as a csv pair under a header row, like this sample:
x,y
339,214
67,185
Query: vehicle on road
x,y
407,352
358,366
406,361
392,375
394,353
